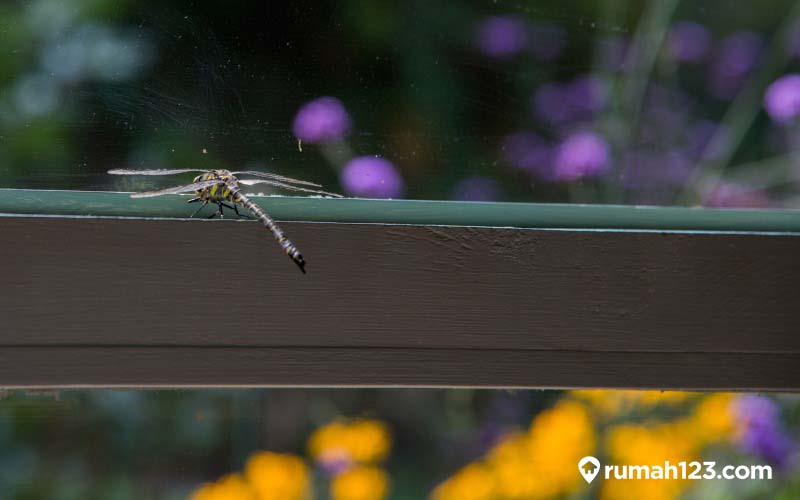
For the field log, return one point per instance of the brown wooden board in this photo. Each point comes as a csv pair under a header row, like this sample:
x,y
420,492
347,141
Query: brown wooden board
x,y
140,302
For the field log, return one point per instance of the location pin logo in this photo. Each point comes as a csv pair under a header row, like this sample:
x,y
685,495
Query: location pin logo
x,y
589,467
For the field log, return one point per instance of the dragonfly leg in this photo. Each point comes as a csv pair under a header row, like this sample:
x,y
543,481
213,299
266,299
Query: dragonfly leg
x,y
221,214
198,210
236,209
218,212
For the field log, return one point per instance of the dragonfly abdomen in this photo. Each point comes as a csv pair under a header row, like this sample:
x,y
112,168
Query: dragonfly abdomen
x,y
236,196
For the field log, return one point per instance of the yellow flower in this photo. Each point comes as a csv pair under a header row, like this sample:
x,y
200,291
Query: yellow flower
x,y
231,487
363,441
515,474
649,445
560,437
370,441
360,483
473,482
653,398
544,462
713,419
611,403
606,402
276,475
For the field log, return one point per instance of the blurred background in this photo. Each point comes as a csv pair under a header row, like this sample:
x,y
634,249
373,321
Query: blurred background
x,y
654,102
377,444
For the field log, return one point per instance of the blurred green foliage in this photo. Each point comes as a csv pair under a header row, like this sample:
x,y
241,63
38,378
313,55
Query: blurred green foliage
x,y
93,84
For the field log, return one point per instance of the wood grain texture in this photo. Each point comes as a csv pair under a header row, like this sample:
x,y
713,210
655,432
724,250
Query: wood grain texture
x,y
368,367
647,309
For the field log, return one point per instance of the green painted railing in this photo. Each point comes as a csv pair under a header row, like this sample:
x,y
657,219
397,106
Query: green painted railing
x,y
521,215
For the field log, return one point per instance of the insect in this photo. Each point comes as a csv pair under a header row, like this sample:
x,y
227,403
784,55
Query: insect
x,y
221,186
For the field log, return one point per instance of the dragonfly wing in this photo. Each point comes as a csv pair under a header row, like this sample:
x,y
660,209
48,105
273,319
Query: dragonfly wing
x,y
276,177
197,186
127,171
250,182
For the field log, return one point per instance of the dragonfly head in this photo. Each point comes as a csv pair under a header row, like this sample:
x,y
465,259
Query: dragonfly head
x,y
222,174
225,175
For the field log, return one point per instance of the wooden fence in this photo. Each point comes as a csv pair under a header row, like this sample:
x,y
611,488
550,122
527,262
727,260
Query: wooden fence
x,y
102,290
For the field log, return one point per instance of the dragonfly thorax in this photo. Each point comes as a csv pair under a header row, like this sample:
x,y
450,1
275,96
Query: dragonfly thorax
x,y
217,192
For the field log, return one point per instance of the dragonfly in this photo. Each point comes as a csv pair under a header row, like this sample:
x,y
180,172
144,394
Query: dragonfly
x,y
221,187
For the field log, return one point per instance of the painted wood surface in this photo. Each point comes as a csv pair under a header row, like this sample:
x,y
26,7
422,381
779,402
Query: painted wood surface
x,y
138,302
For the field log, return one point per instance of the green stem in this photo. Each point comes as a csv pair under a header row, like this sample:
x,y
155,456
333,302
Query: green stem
x,y
644,50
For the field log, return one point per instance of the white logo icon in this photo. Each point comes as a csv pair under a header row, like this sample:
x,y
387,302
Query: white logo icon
x,y
589,467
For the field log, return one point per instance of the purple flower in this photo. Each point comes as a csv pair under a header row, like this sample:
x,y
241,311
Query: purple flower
x,y
372,177
547,41
334,461
527,151
733,60
587,94
559,103
502,36
739,53
761,431
688,42
477,189
322,120
584,154
549,104
733,195
782,99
